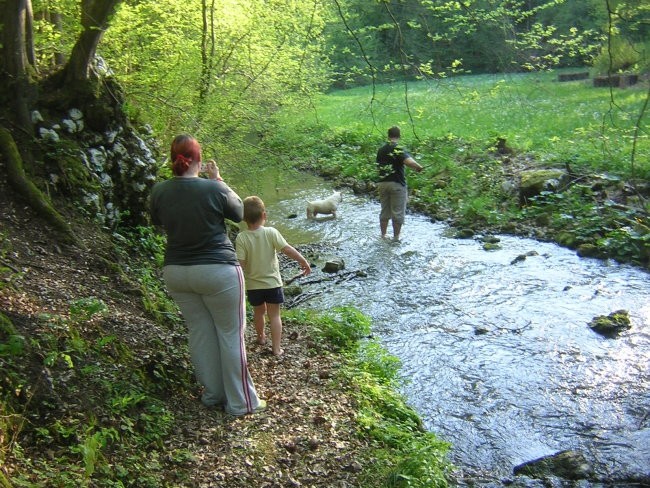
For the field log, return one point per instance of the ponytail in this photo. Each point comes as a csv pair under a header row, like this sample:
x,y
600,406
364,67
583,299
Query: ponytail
x,y
185,150
180,165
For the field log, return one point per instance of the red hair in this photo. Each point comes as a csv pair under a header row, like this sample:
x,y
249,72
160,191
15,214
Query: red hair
x,y
185,150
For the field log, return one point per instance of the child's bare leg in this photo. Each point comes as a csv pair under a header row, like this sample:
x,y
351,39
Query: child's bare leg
x,y
258,320
273,310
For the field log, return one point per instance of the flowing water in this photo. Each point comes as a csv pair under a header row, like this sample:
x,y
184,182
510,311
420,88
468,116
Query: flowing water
x,y
499,357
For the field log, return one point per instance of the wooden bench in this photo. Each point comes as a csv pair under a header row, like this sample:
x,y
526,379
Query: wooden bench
x,y
618,80
583,75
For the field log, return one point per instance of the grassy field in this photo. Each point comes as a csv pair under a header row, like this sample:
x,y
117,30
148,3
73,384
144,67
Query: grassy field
x,y
533,112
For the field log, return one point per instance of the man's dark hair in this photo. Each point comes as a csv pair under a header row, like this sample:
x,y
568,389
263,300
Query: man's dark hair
x,y
394,133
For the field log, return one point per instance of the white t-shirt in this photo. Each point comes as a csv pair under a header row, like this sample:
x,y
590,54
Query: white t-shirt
x,y
258,248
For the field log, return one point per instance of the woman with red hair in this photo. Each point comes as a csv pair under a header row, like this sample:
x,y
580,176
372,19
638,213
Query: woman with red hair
x,y
203,276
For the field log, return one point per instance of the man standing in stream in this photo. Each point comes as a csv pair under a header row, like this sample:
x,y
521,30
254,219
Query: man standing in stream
x,y
393,192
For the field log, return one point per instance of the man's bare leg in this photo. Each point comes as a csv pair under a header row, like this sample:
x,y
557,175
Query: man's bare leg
x,y
397,228
383,226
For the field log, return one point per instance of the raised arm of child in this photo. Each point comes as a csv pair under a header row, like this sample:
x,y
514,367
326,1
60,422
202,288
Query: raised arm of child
x,y
296,256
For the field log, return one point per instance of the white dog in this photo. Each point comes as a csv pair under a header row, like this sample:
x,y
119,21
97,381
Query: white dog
x,y
325,207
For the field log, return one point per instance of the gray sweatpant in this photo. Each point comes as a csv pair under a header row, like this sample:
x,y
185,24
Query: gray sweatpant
x,y
211,299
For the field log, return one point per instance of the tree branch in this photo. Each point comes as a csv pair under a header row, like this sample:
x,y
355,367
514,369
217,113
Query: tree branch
x,y
373,70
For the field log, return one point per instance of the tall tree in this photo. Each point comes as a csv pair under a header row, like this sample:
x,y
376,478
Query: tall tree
x,y
95,16
18,60
20,92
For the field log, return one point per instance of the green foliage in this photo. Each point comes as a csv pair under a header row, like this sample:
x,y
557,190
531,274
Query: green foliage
x,y
405,453
97,439
383,414
374,360
7,272
423,466
143,248
223,82
61,341
84,309
466,177
416,39
577,221
90,449
11,343
343,327
112,413
56,26
622,56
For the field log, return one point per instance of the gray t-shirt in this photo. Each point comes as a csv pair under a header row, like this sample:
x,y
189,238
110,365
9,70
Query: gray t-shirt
x,y
193,211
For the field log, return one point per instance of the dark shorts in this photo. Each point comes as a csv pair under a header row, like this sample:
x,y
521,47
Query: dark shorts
x,y
266,295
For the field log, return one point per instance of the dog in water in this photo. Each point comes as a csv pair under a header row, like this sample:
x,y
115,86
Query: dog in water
x,y
326,206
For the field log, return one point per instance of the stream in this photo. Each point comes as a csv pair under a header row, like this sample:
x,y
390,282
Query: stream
x,y
498,355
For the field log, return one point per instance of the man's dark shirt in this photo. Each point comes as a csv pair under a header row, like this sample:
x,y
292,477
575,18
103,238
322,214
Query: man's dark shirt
x,y
390,162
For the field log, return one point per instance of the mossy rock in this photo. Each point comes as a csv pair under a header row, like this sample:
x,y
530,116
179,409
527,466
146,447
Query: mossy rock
x,y
491,246
537,178
441,180
570,465
292,290
65,159
566,239
464,233
590,251
100,116
490,239
534,182
611,325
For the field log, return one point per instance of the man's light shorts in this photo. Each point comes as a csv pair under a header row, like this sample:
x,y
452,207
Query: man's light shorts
x,y
393,197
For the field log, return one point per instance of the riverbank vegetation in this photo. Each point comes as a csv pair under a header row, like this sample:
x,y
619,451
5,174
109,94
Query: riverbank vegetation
x,y
477,135
97,386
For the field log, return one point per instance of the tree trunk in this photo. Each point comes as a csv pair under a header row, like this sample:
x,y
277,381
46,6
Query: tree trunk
x,y
13,37
95,16
34,197
57,21
30,51
15,79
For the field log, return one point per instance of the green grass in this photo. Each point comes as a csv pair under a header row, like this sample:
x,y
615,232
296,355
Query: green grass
x,y
533,112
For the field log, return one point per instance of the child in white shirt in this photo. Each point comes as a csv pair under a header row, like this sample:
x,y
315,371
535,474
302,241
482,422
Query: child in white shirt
x,y
257,253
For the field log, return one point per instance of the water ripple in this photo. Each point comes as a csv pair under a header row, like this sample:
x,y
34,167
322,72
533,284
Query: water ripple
x,y
497,352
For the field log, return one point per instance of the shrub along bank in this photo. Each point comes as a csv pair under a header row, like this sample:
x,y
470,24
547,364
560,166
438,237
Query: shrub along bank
x,y
479,187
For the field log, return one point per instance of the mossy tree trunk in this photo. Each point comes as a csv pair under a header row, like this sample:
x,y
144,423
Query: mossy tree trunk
x,y
24,186
19,94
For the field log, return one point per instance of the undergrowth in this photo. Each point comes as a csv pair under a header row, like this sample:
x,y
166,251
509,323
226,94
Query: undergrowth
x,y
94,410
469,184
80,406
404,454
81,394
